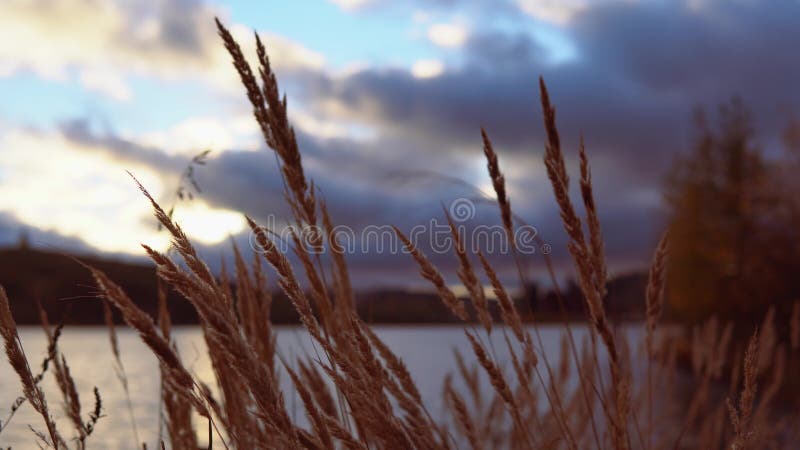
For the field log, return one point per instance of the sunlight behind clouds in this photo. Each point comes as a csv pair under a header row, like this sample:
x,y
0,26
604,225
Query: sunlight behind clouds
x,y
206,224
52,183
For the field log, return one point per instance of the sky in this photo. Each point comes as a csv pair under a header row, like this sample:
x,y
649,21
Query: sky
x,y
387,98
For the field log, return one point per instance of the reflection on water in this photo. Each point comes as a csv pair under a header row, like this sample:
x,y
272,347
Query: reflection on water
x,y
426,350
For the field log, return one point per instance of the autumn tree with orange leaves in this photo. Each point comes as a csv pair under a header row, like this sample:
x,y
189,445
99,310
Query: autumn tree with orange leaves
x,y
735,223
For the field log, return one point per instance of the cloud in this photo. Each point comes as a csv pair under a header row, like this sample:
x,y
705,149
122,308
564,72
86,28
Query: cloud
x,y
555,11
75,185
630,90
109,42
52,183
195,134
427,68
448,35
420,16
386,145
81,136
12,232
724,48
387,181
640,70
107,82
351,5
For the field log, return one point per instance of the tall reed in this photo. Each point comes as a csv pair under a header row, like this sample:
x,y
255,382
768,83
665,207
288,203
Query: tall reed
x,y
357,393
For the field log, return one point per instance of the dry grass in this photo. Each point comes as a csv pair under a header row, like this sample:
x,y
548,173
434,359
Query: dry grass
x,y
358,394
30,387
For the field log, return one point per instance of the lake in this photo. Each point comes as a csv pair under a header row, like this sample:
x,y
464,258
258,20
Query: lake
x,y
426,350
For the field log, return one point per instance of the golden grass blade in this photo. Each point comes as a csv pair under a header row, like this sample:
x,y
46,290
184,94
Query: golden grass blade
x,y
16,357
430,273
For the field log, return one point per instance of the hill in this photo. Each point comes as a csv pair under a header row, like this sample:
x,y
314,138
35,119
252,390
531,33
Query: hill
x,y
67,292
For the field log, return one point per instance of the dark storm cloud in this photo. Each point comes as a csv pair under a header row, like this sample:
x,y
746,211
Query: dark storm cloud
x,y
704,56
497,89
705,52
641,68
640,71
448,110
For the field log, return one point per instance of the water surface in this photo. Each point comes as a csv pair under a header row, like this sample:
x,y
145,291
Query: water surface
x,y
426,350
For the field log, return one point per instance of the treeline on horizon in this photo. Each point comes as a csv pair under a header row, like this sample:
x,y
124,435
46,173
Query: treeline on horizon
x,y
63,287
